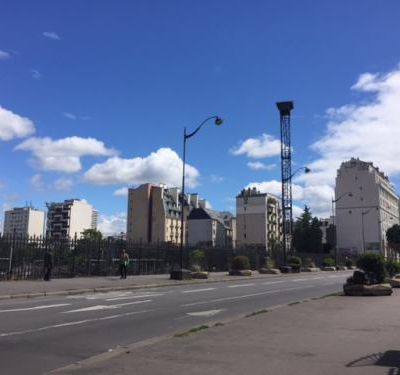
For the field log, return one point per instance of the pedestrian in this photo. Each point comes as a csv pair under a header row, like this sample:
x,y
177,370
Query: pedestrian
x,y
124,261
48,264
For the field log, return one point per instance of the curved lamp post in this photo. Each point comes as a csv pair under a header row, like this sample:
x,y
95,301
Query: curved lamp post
x,y
182,273
349,194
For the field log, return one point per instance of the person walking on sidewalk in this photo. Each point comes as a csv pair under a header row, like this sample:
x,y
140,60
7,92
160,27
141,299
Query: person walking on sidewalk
x,y
48,264
124,261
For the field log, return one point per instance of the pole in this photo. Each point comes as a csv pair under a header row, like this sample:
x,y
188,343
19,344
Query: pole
x,y
362,226
334,233
183,195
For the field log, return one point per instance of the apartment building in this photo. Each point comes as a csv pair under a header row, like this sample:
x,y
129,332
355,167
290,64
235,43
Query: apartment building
x,y
328,233
367,207
154,214
70,218
210,228
259,219
24,222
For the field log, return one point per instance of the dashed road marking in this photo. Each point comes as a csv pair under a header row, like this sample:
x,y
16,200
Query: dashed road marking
x,y
239,285
36,308
105,307
198,290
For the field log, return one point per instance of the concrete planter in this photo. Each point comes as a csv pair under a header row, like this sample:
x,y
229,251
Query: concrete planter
x,y
367,290
240,273
342,268
270,271
395,283
310,269
285,269
328,268
199,275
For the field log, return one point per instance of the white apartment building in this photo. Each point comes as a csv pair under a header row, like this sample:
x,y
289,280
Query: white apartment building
x,y
70,218
259,218
154,214
24,222
367,207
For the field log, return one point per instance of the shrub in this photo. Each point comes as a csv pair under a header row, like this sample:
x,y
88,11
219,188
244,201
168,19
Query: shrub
x,y
374,267
308,262
240,263
392,267
197,258
328,262
294,261
348,263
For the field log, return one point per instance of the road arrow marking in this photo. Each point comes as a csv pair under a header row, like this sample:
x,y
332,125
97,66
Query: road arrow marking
x,y
205,313
105,307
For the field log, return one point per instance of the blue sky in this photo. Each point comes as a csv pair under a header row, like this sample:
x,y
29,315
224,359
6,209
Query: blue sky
x,y
94,96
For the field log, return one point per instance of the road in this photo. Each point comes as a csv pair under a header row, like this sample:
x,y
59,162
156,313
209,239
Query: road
x,y
39,335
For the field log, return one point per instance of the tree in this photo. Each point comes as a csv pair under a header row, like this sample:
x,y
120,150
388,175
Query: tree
x,y
307,234
393,237
92,235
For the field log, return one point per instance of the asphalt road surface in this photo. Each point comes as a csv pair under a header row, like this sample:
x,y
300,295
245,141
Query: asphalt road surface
x,y
42,334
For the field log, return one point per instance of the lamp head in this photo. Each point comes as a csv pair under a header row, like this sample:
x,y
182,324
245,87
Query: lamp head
x,y
307,170
218,121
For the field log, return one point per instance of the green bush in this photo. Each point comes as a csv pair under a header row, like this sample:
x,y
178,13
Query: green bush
x,y
374,267
308,262
328,262
348,263
294,261
197,259
392,267
240,263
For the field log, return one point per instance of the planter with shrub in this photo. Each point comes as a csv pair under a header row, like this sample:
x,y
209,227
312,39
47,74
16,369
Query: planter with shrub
x,y
328,264
393,270
269,268
197,261
240,266
295,263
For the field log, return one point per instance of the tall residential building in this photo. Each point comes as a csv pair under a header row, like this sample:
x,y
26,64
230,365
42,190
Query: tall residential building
x,y
154,214
259,219
24,221
210,228
328,234
70,218
363,216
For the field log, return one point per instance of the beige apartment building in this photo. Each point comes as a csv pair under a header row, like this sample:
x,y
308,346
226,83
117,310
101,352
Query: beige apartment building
x,y
24,222
364,215
154,214
70,218
259,219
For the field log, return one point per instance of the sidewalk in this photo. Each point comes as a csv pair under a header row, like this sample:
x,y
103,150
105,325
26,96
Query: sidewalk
x,y
330,336
78,285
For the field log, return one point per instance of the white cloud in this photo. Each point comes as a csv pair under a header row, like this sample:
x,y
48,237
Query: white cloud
x,y
122,192
14,126
64,154
63,184
51,35
69,115
37,182
36,74
112,224
257,165
262,147
216,179
162,166
4,55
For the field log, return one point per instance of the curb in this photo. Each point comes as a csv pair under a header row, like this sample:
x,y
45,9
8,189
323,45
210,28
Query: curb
x,y
134,287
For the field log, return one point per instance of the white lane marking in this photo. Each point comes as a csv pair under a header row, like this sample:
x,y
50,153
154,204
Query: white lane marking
x,y
239,285
272,282
315,278
198,290
138,296
35,308
298,280
106,307
15,333
240,297
205,313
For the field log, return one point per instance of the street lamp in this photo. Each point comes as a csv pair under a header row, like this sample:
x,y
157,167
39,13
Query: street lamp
x,y
349,194
182,274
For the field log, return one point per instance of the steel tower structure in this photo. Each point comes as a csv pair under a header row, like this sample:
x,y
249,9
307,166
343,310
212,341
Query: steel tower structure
x,y
286,170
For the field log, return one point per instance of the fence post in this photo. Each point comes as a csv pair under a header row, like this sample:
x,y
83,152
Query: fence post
x,y
11,254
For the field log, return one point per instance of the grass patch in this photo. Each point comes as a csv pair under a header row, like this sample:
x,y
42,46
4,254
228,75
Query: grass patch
x,y
190,331
257,313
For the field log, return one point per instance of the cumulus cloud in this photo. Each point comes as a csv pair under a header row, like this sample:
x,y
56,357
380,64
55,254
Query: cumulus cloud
x,y
14,126
257,166
4,55
63,184
112,224
122,192
261,147
275,187
162,166
51,35
63,155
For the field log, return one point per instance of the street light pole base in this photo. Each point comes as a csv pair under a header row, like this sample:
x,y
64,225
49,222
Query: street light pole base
x,y
180,274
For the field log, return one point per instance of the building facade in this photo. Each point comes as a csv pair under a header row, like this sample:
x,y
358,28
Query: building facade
x,y
209,228
154,214
259,219
70,218
367,207
24,222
